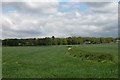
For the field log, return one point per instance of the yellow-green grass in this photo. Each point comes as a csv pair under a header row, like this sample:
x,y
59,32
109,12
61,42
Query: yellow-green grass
x,y
56,62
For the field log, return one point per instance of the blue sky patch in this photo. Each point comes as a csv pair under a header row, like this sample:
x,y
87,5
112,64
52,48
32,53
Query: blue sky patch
x,y
72,6
63,0
8,9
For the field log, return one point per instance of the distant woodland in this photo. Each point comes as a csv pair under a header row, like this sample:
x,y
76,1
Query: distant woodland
x,y
58,41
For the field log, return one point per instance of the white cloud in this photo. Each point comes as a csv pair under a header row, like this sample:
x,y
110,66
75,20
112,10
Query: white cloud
x,y
29,0
45,19
94,0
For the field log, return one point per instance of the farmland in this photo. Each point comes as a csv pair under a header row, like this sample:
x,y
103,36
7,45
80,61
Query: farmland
x,y
59,62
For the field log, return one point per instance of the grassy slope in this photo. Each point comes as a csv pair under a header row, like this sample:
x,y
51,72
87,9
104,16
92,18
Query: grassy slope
x,y
100,52
52,61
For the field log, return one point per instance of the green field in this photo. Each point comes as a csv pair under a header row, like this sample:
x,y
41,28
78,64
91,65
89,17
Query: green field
x,y
59,62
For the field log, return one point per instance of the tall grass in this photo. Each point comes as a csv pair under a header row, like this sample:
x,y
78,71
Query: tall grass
x,y
53,62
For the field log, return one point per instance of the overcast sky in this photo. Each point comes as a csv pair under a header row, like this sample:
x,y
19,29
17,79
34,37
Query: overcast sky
x,y
59,19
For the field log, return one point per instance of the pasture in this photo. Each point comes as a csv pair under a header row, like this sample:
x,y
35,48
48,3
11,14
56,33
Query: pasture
x,y
59,62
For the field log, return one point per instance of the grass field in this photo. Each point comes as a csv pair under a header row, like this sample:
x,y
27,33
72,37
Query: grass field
x,y
59,62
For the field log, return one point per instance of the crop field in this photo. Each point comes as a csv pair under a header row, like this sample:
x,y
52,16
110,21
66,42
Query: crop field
x,y
80,61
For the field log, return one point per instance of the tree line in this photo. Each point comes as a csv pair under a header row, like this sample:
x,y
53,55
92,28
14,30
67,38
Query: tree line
x,y
57,41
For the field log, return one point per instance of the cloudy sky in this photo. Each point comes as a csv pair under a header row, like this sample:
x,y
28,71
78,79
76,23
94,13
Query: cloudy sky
x,y
61,19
